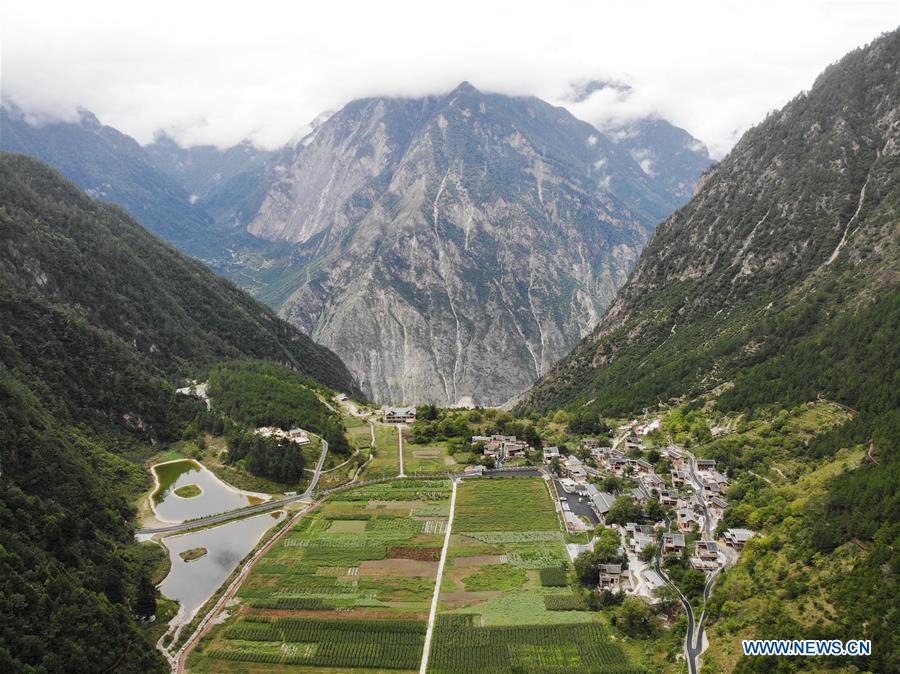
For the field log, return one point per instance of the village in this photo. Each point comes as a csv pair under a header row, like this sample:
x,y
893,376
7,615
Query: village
x,y
679,510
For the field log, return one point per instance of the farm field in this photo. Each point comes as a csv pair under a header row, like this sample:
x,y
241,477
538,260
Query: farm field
x,y
349,588
386,462
432,457
505,603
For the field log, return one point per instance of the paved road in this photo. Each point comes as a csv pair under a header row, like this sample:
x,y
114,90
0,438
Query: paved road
x,y
693,643
435,597
249,510
583,508
400,428
690,651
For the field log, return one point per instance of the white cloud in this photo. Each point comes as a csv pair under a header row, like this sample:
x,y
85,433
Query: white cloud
x,y
222,71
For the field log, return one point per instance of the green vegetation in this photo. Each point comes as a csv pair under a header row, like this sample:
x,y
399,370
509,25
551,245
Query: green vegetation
x,y
192,554
90,347
363,563
388,644
495,577
168,473
505,504
554,576
188,491
461,646
264,394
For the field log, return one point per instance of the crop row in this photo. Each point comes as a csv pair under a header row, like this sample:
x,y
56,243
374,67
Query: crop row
x,y
460,646
501,537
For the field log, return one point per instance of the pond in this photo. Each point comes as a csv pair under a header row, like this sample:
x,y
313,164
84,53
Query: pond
x,y
192,582
187,489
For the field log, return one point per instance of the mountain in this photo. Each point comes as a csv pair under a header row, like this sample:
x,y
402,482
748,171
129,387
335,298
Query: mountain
x,y
773,295
802,209
671,157
201,169
100,320
107,268
111,166
450,248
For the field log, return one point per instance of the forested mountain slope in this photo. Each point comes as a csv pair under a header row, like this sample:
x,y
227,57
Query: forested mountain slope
x,y
70,250
793,235
98,319
775,288
112,166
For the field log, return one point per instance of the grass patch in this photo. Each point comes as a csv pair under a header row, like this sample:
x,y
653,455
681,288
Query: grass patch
x,y
192,554
554,576
461,646
495,577
505,504
188,491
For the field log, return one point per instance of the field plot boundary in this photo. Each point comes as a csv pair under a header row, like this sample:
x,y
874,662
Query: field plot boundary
x,y
436,594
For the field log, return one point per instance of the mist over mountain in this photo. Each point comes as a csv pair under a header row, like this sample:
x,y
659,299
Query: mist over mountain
x,y
451,248
480,235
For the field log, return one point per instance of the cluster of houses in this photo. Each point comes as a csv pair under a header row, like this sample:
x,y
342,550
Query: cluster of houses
x,y
295,435
501,447
695,490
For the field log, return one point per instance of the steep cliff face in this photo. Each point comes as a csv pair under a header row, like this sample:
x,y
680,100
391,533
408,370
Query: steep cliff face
x,y
791,234
452,248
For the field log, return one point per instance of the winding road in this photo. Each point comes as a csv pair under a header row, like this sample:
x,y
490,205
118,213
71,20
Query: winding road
x,y
693,643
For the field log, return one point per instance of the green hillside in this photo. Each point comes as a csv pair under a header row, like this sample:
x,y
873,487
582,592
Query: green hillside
x,y
99,321
778,285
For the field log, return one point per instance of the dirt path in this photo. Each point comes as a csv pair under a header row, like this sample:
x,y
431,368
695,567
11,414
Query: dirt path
x,y
400,446
435,598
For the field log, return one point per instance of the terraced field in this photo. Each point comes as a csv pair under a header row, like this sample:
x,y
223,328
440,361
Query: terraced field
x,y
348,588
505,596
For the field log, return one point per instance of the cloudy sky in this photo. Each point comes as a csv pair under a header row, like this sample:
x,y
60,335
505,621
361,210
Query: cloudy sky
x,y
219,72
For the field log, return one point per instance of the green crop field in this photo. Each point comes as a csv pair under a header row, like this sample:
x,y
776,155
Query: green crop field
x,y
505,601
505,504
461,647
348,588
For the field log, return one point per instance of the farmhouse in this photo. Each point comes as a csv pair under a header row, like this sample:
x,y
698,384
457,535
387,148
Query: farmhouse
x,y
399,415
641,541
609,577
601,501
673,543
501,446
686,519
617,465
575,468
550,453
679,477
668,497
641,466
736,538
653,580
299,436
706,556
653,481
705,464
717,506
641,495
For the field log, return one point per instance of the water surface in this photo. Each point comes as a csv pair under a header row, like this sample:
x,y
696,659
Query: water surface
x,y
216,496
192,583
